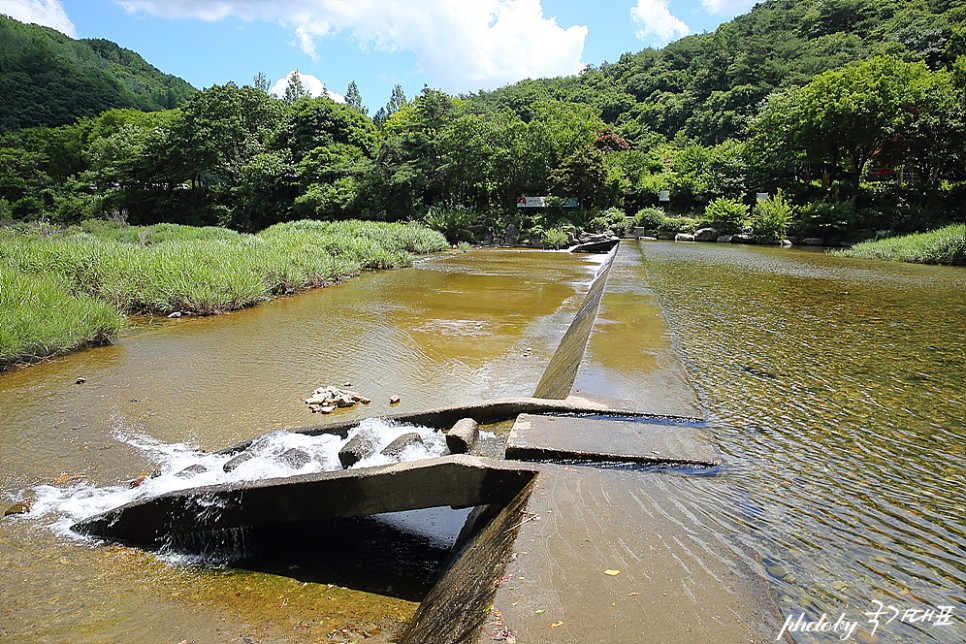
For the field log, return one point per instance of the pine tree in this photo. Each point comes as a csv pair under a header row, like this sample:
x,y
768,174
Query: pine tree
x,y
294,90
353,98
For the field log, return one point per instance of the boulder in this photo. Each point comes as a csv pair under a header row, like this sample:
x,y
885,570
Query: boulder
x,y
359,447
295,458
684,237
192,470
238,460
463,436
724,239
511,233
813,241
396,447
394,400
744,238
706,235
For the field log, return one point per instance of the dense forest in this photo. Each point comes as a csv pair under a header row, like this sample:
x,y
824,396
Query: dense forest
x,y
852,112
48,79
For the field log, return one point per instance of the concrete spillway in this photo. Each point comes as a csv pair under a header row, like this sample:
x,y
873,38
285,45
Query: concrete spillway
x,y
588,531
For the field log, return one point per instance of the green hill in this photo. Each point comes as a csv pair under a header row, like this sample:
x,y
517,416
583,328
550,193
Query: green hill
x,y
49,79
708,86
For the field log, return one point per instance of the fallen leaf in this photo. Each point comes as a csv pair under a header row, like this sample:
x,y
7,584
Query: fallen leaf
x,y
612,572
556,625
540,611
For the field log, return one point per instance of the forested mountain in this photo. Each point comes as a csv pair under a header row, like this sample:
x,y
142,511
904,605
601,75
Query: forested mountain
x,y
853,110
49,79
709,86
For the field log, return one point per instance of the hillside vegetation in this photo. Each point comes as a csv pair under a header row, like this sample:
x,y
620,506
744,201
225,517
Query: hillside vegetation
x,y
49,79
851,110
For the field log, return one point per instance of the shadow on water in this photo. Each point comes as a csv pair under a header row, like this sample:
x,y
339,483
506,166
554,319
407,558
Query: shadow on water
x,y
397,555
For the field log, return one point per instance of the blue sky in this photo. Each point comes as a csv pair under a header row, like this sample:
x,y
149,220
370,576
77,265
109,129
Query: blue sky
x,y
454,45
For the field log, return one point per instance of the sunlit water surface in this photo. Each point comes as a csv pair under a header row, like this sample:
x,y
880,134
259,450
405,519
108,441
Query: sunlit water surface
x,y
837,390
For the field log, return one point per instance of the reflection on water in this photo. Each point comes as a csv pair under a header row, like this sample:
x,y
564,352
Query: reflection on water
x,y
838,390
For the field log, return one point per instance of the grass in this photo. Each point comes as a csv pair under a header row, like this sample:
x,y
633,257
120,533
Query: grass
x,y
72,276
944,246
39,318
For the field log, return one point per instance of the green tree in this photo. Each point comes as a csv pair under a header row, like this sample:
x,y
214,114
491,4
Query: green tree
x,y
294,89
353,98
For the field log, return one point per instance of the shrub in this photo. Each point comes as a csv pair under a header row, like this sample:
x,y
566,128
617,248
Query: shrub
x,y
673,225
726,215
826,219
555,238
772,217
449,221
650,219
612,219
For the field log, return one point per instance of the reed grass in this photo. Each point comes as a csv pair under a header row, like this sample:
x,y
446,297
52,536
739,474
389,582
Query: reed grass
x,y
39,318
943,246
168,267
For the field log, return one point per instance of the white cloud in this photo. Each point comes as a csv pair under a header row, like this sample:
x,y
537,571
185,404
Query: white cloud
x,y
460,45
658,26
48,13
312,85
728,7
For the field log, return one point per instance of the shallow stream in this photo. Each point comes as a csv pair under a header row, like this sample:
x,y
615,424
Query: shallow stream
x,y
835,388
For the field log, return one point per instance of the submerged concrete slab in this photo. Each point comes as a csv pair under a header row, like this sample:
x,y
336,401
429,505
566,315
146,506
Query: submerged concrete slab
x,y
624,556
456,481
630,361
569,438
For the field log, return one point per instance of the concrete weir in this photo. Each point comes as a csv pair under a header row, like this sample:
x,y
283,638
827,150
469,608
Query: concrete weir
x,y
592,529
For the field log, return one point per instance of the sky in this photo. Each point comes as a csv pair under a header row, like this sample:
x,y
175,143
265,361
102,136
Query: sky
x,y
459,46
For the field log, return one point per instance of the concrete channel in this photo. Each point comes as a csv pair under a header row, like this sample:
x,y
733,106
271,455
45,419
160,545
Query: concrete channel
x,y
589,529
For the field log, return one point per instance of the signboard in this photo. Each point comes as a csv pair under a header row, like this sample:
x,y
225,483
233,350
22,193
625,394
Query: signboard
x,y
542,202
531,202
664,195
761,196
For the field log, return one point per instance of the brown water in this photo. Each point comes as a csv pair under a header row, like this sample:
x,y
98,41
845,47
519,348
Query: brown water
x,y
836,389
458,329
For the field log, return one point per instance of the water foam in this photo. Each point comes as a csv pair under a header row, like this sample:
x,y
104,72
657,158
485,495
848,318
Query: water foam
x,y
180,466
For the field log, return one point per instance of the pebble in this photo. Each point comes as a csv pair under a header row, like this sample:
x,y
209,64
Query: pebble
x,y
394,400
18,508
80,381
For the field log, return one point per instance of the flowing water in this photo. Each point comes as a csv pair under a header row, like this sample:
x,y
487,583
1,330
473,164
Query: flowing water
x,y
457,329
835,388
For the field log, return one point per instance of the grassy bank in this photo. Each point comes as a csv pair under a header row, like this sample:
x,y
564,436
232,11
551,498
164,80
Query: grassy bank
x,y
944,246
63,289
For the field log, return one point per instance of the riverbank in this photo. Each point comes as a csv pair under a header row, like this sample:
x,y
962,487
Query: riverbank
x,y
63,289
946,246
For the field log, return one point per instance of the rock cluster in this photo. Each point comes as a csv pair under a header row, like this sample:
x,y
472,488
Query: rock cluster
x,y
326,400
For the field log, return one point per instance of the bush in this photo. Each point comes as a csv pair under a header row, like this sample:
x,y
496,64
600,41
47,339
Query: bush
x,y
674,225
449,221
555,238
612,219
772,217
826,219
726,215
650,219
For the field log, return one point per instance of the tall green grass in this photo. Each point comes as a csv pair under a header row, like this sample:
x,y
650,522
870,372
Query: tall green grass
x,y
39,318
167,267
944,246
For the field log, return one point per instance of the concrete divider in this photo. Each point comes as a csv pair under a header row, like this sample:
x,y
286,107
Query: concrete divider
x,y
456,481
